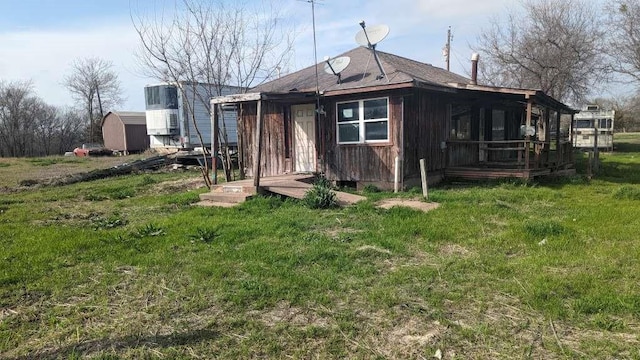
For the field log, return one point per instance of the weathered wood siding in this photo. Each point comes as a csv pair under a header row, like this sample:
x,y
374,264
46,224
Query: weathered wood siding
x,y
360,162
426,126
274,138
419,135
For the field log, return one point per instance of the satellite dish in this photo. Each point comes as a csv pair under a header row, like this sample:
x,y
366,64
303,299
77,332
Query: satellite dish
x,y
336,66
372,35
369,38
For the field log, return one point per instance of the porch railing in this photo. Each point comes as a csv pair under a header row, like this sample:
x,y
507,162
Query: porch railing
x,y
509,154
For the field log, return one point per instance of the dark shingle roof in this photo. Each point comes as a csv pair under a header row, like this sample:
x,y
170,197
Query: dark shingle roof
x,y
130,117
362,72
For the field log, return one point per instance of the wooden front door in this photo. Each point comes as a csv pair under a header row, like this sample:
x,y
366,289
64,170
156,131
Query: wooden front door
x,y
304,137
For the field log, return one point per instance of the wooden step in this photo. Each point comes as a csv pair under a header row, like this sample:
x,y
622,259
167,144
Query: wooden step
x,y
222,197
233,189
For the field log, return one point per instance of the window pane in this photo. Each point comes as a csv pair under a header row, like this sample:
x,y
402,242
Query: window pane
x,y
461,122
604,123
584,124
375,130
497,125
348,112
171,98
147,93
348,133
375,109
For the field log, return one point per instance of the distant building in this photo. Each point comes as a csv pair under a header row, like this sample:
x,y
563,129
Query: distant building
x,y
593,124
125,131
169,119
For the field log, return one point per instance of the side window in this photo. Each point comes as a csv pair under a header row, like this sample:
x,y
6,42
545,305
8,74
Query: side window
x,y
461,122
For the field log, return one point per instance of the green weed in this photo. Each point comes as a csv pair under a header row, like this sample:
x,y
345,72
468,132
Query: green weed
x,y
111,222
543,228
149,230
148,180
627,192
205,235
321,195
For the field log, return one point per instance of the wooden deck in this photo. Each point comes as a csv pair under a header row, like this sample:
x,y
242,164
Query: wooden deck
x,y
290,185
478,173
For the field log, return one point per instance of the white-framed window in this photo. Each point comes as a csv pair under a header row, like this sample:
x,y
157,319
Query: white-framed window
x,y
363,121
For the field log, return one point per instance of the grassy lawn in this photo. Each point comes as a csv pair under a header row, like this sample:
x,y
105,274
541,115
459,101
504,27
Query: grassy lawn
x,y
129,268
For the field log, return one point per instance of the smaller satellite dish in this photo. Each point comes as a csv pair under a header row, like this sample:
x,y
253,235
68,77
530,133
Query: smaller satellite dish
x,y
371,35
337,65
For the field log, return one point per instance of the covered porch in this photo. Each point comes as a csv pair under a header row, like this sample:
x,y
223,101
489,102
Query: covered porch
x,y
501,132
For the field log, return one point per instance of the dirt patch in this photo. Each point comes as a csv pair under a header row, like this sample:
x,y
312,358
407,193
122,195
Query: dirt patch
x,y
285,313
336,233
410,203
415,333
454,250
179,185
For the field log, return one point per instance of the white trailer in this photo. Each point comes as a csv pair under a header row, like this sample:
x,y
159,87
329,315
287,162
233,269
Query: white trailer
x,y
592,125
172,107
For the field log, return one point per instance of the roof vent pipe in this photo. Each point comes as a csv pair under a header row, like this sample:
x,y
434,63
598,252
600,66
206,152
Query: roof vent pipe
x,y
474,68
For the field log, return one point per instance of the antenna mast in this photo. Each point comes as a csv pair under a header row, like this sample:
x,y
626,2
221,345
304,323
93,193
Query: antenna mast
x,y
447,48
315,47
315,53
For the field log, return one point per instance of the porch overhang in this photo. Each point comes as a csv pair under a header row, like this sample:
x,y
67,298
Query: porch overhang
x,y
293,97
537,96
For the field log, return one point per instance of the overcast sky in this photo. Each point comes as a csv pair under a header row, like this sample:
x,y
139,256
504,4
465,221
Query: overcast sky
x,y
39,39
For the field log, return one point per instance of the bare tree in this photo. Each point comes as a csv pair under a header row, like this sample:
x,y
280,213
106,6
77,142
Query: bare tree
x,y
18,110
555,46
30,127
95,85
214,45
46,130
70,130
624,37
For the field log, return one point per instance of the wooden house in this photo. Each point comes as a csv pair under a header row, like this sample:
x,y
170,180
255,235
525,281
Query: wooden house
x,y
376,123
125,131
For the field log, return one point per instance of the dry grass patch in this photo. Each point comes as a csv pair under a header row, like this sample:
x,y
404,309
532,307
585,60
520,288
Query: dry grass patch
x,y
284,313
168,187
375,249
339,233
454,250
410,203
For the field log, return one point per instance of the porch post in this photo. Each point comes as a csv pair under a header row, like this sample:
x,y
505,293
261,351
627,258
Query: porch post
x,y
559,154
214,141
258,148
546,146
527,137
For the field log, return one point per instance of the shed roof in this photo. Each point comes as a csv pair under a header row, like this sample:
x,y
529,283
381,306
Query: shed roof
x,y
129,117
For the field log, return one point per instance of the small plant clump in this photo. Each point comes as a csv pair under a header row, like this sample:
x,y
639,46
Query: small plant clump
x,y
370,189
627,192
101,223
149,230
204,235
321,195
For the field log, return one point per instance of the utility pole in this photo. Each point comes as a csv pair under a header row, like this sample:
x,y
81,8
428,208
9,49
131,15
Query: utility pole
x,y
447,49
